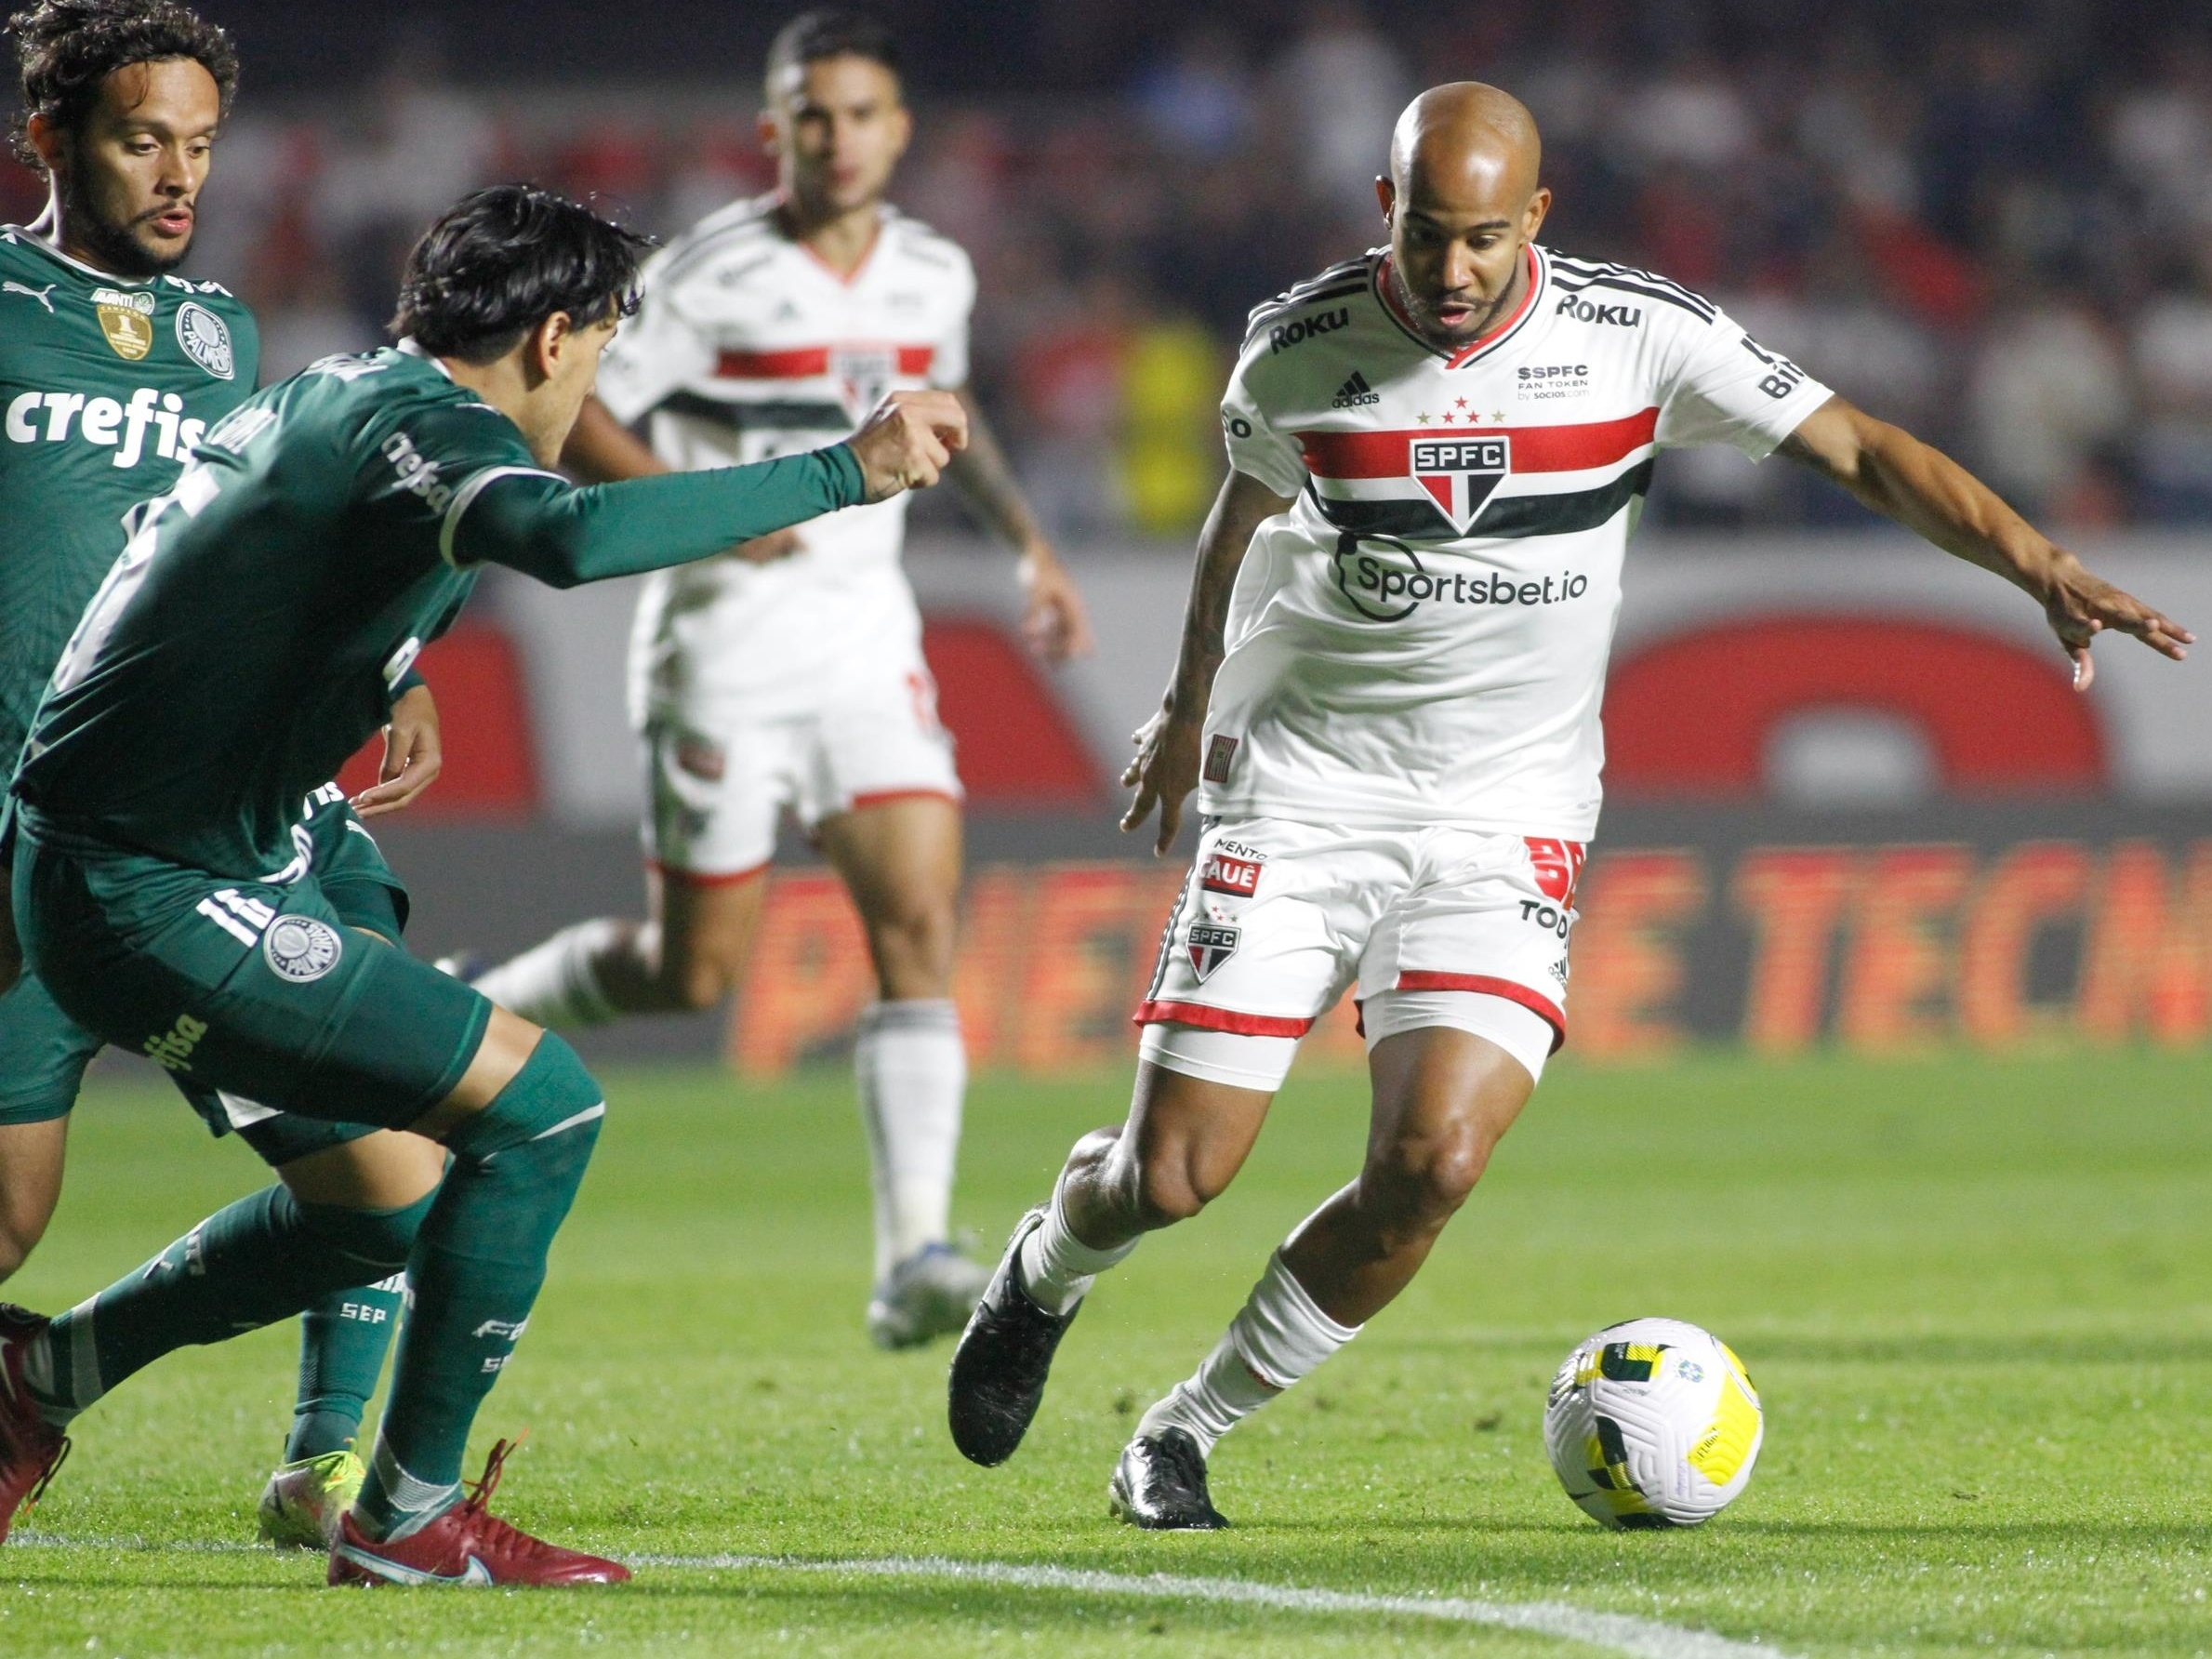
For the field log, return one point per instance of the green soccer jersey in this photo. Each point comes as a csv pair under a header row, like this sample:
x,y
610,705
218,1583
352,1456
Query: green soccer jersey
x,y
245,641
105,384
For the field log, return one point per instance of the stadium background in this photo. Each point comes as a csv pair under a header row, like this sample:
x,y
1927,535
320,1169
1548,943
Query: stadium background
x,y
1852,800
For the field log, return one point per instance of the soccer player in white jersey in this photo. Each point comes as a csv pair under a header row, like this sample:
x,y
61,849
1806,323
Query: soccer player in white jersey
x,y
790,674
1388,698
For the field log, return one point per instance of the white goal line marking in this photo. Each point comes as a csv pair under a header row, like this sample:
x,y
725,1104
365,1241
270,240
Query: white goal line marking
x,y
1622,1633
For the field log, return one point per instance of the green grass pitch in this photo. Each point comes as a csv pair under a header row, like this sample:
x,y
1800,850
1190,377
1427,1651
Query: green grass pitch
x,y
1975,1296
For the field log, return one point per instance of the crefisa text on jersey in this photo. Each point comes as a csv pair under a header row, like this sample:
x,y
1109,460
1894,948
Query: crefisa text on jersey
x,y
57,416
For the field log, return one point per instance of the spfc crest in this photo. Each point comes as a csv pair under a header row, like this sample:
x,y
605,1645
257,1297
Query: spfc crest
x,y
126,318
1209,946
1460,474
864,374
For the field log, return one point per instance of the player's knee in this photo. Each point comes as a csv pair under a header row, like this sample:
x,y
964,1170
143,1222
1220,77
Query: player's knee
x,y
379,1239
1424,1182
16,1242
913,942
695,973
552,1094
1173,1183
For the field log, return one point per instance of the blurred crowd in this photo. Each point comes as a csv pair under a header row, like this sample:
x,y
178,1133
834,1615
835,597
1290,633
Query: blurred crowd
x,y
1997,230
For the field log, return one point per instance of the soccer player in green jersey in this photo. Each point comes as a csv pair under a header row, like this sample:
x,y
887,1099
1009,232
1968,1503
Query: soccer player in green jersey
x,y
244,645
111,367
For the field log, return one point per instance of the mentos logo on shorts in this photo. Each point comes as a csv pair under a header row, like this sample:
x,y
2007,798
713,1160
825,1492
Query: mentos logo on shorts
x,y
1239,878
1385,581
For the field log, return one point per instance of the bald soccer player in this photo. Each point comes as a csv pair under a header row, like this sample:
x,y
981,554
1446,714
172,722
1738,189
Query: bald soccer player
x,y
1388,696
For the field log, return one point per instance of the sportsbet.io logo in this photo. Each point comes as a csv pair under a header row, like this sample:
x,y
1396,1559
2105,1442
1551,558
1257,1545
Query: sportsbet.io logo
x,y
1385,581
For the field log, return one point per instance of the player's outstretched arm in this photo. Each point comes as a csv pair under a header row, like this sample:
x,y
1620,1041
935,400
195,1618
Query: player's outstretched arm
x,y
1166,769
539,524
1897,475
1054,619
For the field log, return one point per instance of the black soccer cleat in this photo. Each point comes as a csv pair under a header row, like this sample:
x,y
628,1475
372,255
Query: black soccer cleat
x,y
1004,1354
1160,1486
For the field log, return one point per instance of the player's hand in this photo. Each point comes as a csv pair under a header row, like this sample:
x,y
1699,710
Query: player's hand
x,y
1164,772
768,548
2080,606
905,444
1054,619
412,755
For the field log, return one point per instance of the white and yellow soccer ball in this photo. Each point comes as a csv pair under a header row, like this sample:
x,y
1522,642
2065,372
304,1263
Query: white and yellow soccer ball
x,y
1653,1423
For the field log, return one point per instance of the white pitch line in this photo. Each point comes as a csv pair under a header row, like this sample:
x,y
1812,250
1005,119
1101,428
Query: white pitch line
x,y
1623,1633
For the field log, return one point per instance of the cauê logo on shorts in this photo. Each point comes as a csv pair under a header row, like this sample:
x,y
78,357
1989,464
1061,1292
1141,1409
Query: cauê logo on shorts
x,y
1385,581
301,948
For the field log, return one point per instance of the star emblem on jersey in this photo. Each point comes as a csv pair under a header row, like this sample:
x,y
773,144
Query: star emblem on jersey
x,y
302,948
1210,945
207,339
126,318
1459,473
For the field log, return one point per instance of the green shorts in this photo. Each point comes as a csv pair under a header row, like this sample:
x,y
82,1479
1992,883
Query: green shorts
x,y
144,954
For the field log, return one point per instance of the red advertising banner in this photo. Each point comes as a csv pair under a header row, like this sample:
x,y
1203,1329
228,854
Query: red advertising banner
x,y
1887,948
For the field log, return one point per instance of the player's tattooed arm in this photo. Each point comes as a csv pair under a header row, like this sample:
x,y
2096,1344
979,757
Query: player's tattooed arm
x,y
1054,618
1166,769
1895,474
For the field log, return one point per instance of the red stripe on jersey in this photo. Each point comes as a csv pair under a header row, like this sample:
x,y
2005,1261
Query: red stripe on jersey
x,y
1535,448
803,362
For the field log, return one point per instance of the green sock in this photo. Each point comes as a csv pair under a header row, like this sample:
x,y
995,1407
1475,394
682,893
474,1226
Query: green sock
x,y
474,1276
342,1340
260,1260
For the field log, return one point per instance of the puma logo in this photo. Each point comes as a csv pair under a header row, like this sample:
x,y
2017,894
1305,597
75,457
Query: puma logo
x,y
38,294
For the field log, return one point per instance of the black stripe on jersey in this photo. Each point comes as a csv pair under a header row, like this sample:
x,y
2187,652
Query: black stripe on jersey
x,y
1509,518
1590,269
1621,285
683,255
763,414
1266,316
1297,293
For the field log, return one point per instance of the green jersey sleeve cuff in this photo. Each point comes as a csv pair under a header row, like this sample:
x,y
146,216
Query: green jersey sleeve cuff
x,y
847,483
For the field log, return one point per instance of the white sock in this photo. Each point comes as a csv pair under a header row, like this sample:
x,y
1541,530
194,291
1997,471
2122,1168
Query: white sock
x,y
553,983
1056,1268
63,1385
912,1071
1278,1336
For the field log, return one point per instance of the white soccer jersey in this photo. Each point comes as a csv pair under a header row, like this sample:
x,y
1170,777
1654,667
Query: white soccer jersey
x,y
1421,639
747,347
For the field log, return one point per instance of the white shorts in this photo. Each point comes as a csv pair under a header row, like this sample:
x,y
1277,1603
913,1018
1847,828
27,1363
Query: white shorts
x,y
714,796
1280,919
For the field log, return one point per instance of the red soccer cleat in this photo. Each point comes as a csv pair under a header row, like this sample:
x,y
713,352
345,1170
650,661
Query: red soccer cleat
x,y
466,1544
30,1448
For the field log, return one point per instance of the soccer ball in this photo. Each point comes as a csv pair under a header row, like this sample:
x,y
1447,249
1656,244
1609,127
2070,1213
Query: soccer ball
x,y
1653,1423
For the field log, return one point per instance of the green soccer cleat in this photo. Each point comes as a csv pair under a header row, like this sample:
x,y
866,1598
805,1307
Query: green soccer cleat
x,y
302,1502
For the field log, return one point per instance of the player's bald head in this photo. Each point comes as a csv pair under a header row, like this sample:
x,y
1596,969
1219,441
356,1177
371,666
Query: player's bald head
x,y
1467,142
1462,203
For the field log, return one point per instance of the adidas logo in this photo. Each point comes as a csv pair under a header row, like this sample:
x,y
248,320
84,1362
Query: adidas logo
x,y
1354,393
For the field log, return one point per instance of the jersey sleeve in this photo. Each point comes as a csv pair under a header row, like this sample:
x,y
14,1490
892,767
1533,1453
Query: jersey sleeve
x,y
653,354
948,362
1256,448
539,524
1725,388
